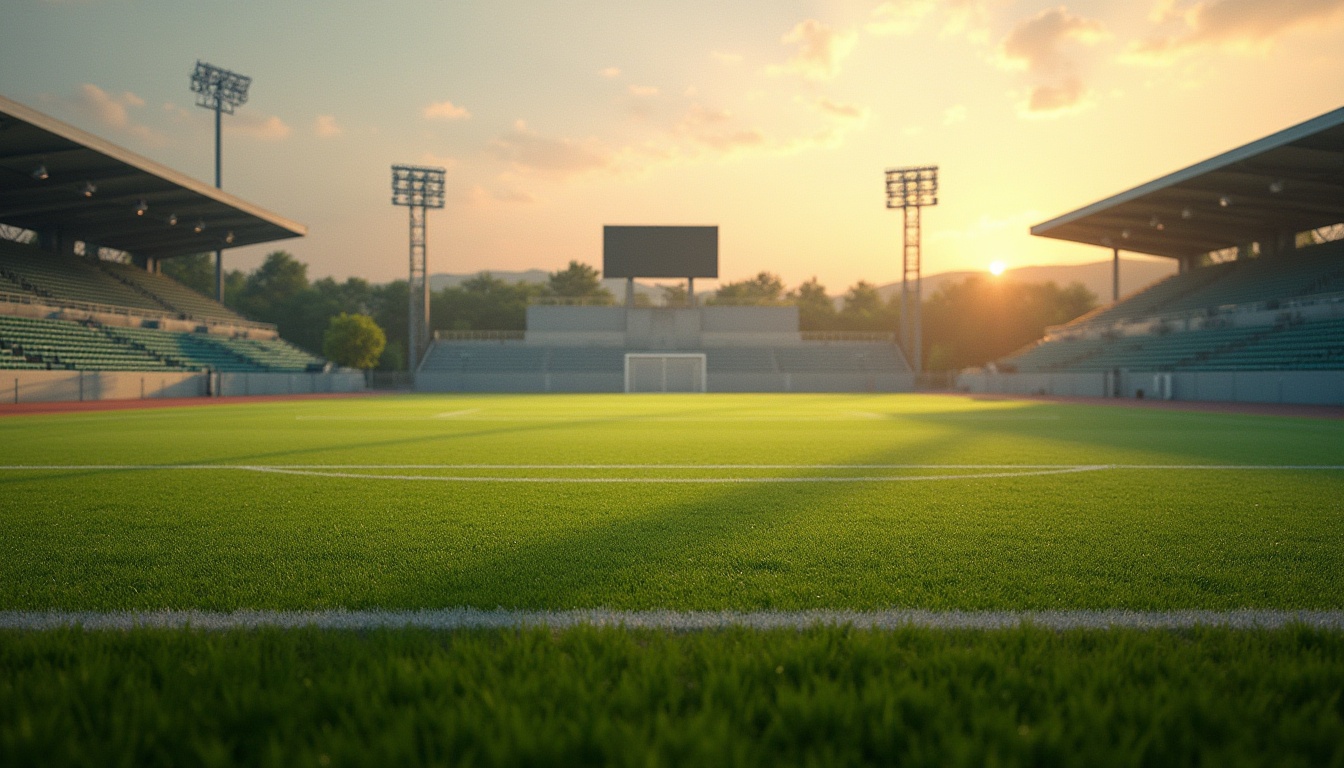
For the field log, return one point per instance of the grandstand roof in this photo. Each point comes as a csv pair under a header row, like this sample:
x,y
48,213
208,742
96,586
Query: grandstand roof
x,y
1290,181
72,159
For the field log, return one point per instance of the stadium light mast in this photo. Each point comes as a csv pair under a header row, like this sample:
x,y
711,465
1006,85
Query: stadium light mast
x,y
219,90
911,189
417,188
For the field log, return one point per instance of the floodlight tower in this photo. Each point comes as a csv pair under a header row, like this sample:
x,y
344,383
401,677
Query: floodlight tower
x,y
220,90
418,188
911,189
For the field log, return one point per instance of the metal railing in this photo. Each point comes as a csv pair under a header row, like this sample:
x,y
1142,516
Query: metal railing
x,y
572,301
872,337
1075,328
112,309
479,335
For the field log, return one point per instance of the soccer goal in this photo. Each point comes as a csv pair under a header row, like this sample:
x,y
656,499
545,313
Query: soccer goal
x,y
665,372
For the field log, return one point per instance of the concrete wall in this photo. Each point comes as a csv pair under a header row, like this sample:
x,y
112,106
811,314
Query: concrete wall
x,y
1293,387
233,384
662,328
615,382
57,386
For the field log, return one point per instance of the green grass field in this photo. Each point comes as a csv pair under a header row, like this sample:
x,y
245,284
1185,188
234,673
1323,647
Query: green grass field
x,y
702,502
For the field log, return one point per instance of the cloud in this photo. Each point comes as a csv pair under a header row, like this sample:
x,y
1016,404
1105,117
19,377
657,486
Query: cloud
x,y
643,90
261,128
481,196
899,17
1237,25
114,112
530,152
445,110
820,50
1037,45
726,57
611,73
842,111
326,127
954,115
1034,44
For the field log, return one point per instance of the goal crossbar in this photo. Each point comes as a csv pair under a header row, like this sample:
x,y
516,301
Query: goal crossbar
x,y
665,372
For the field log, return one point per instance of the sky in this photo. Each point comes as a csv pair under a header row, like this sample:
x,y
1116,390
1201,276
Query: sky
x,y
773,119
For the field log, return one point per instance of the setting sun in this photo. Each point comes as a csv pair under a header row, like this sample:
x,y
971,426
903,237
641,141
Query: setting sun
x,y
996,268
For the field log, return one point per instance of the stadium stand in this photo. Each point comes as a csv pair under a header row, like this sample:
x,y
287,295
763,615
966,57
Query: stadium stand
x,y
169,293
1224,299
33,343
68,279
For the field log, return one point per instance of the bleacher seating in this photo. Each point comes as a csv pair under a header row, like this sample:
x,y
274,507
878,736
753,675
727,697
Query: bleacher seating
x,y
61,344
468,357
172,294
68,279
1096,342
34,343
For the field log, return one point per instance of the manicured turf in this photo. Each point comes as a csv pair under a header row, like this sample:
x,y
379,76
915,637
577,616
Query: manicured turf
x,y
233,539
587,697
968,505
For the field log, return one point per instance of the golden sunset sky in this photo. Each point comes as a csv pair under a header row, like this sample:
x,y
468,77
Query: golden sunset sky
x,y
774,120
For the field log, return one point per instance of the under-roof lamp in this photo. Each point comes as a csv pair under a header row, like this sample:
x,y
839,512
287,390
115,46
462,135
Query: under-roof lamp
x,y
1224,201
89,189
199,228
1187,214
1156,223
40,173
1277,186
172,219
141,207
228,237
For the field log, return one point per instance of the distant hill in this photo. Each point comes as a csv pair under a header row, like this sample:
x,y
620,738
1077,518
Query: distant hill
x,y
1134,275
1096,275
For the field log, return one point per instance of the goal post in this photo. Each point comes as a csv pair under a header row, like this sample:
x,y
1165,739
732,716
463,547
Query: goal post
x,y
665,372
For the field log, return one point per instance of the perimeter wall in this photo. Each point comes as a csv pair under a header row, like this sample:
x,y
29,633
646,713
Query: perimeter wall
x,y
49,386
1289,387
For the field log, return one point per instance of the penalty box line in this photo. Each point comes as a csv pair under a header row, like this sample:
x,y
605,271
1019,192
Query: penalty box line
x,y
668,620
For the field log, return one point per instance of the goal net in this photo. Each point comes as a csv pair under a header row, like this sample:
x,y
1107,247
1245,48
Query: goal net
x,y
665,372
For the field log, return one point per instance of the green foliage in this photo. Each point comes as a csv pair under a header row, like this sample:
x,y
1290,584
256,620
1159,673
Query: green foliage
x,y
765,289
816,311
354,341
483,302
675,295
589,696
196,271
863,310
977,320
578,281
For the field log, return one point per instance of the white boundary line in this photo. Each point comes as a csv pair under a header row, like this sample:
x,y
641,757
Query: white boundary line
x,y
677,621
340,471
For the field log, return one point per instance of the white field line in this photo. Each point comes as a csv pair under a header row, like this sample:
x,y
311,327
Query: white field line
x,y
987,471
679,621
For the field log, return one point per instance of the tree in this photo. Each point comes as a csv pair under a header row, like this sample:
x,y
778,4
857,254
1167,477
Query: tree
x,y
483,303
816,311
674,295
863,310
579,281
974,321
764,289
196,271
354,341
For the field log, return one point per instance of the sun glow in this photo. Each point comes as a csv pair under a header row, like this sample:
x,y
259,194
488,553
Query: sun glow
x,y
996,268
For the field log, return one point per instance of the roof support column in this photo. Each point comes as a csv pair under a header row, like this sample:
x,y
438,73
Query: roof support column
x,y
1115,275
